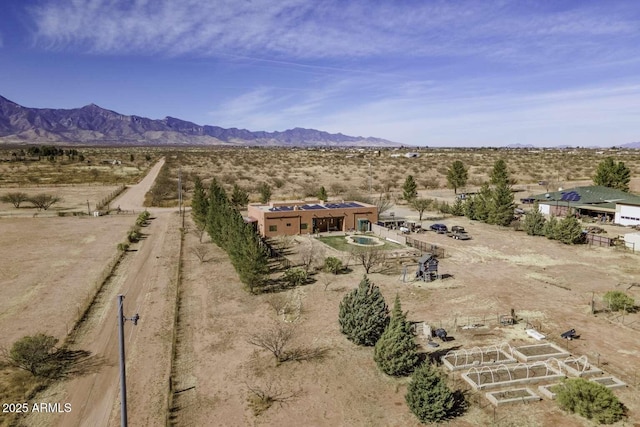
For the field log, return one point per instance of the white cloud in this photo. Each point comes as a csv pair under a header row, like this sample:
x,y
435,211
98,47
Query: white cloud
x,y
329,29
440,116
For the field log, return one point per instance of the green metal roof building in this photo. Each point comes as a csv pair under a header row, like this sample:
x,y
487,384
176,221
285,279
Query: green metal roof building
x,y
618,206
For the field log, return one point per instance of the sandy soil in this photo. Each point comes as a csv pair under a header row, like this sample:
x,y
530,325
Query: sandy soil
x,y
146,278
548,284
50,267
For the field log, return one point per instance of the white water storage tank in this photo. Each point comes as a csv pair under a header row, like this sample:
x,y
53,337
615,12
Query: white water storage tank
x,y
632,241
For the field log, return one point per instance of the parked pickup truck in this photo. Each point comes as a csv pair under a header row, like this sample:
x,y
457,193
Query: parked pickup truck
x,y
458,233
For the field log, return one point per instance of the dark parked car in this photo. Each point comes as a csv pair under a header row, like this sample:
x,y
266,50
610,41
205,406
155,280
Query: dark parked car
x,y
439,228
458,233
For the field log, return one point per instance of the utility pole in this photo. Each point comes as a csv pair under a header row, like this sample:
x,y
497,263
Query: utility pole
x,y
123,375
179,190
369,161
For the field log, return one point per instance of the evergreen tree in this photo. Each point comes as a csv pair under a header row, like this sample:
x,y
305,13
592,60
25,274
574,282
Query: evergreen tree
x,y
409,189
550,228
534,222
501,205
569,231
239,197
589,399
457,175
254,264
482,202
612,174
199,203
265,193
217,209
395,352
364,315
322,194
470,207
457,208
429,397
500,173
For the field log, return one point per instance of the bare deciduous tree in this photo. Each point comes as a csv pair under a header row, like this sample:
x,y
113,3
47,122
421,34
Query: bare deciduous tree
x,y
275,340
261,398
202,252
308,254
44,201
278,302
368,257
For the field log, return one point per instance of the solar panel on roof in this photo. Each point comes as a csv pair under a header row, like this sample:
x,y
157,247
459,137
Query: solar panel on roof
x,y
570,196
311,207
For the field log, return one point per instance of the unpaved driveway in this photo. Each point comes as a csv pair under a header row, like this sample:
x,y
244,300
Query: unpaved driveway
x,y
145,276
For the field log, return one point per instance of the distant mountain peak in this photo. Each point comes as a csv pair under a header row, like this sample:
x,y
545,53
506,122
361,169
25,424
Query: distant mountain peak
x,y
93,124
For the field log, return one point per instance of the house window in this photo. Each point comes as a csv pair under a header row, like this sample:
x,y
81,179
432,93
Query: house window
x,y
273,228
303,226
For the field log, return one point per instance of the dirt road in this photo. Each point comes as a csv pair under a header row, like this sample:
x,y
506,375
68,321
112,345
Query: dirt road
x,y
145,277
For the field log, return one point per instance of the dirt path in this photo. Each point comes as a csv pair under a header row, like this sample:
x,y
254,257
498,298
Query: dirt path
x,y
133,198
146,278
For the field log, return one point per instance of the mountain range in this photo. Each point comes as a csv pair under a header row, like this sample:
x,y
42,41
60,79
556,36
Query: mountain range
x,y
93,125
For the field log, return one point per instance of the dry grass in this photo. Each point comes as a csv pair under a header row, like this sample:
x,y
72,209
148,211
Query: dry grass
x,y
299,173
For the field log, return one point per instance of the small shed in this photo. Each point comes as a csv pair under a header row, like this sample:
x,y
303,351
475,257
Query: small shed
x,y
427,268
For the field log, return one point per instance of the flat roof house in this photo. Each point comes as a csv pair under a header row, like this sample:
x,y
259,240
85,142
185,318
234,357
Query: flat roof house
x,y
305,217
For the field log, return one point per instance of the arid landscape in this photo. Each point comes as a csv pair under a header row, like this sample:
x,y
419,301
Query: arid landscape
x,y
189,360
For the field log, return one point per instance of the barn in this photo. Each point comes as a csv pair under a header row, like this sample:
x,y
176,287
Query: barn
x,y
602,203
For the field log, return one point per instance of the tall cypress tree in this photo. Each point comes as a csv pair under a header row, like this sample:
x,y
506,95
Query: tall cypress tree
x,y
395,352
482,202
215,215
199,203
364,315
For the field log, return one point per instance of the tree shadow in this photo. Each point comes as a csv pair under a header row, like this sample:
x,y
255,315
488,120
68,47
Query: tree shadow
x,y
74,363
306,354
437,355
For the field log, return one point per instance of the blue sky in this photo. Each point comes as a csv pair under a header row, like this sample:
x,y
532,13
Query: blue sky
x,y
437,73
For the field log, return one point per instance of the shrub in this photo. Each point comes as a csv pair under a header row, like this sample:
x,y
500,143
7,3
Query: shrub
x,y
617,301
295,276
15,198
590,400
123,247
364,315
333,265
134,236
429,397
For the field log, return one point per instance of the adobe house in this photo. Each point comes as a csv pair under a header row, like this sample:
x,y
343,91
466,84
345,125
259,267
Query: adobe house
x,y
305,217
